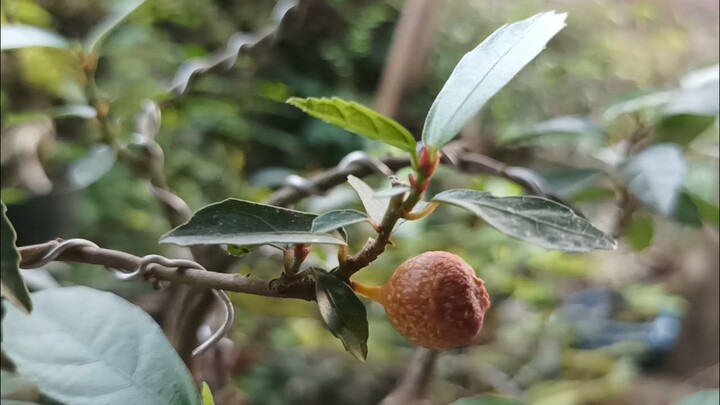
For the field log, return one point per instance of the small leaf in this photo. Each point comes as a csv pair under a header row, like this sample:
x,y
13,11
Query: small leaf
x,y
487,400
639,233
343,312
25,36
237,250
682,129
567,125
97,163
535,220
119,11
336,219
655,176
686,211
207,397
12,285
704,397
83,347
246,223
358,119
485,70
374,206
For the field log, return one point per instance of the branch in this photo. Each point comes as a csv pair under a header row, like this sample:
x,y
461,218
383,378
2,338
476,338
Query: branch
x,y
414,386
188,276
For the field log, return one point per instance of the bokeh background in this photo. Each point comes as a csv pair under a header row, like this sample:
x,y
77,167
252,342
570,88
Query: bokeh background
x,y
228,133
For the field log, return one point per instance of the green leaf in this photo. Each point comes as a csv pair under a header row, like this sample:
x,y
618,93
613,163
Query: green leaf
x,y
207,397
98,162
686,210
655,175
374,206
639,103
704,397
358,119
83,346
238,250
709,212
12,285
336,219
119,11
568,182
639,233
487,400
535,220
246,223
682,129
485,70
343,312
25,36
567,125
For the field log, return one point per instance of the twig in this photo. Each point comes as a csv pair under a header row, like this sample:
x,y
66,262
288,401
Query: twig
x,y
414,386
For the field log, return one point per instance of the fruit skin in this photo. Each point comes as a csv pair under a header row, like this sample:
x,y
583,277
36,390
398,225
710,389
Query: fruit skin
x,y
434,300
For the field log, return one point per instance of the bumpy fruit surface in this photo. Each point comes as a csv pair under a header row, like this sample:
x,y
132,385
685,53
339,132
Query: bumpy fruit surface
x,y
434,300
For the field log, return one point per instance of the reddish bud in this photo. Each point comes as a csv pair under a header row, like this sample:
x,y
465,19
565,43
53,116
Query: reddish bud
x,y
301,251
427,165
412,181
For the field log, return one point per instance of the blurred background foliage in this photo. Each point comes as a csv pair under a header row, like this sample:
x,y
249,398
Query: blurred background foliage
x,y
231,135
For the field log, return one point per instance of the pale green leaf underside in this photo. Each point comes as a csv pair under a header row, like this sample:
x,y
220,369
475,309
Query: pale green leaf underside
x,y
25,36
535,220
119,11
358,119
12,285
374,206
485,70
246,223
655,176
86,347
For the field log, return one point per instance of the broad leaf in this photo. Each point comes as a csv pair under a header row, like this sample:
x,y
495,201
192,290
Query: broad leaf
x,y
343,312
485,70
119,11
639,233
207,397
704,397
357,119
487,400
25,36
336,219
239,222
12,285
374,206
708,211
567,125
568,182
98,162
682,129
639,103
83,346
655,176
687,211
535,220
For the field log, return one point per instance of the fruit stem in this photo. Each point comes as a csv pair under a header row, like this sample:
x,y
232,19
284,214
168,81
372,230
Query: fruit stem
x,y
371,292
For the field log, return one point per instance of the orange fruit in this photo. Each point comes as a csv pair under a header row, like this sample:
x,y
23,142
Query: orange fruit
x,y
434,300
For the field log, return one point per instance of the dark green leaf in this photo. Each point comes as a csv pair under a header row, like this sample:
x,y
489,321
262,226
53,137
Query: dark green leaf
x,y
119,11
708,211
487,400
682,128
535,220
568,125
639,233
704,397
343,312
485,70
374,206
83,347
12,285
358,119
98,162
246,223
25,36
336,219
655,175
567,182
686,210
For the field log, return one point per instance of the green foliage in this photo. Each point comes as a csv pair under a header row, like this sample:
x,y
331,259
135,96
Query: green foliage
x,y
119,11
487,400
357,119
99,160
207,397
483,71
114,351
24,36
336,219
375,205
343,312
639,233
239,222
535,220
12,285
655,176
